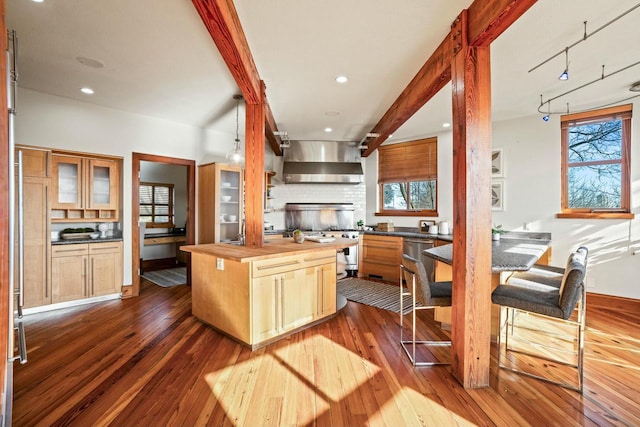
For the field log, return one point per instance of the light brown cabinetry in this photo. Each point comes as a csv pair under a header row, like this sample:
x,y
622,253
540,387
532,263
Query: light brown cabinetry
x,y
220,199
85,270
37,237
259,301
292,291
381,257
84,189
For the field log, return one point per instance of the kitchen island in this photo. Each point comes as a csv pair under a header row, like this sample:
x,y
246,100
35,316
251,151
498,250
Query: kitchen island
x,y
259,295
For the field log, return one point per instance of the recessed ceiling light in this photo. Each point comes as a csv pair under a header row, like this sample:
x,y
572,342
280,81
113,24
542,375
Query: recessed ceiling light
x,y
342,79
328,130
446,124
38,1
87,90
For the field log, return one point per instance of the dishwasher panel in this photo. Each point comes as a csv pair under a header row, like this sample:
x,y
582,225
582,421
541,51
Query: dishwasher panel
x,y
414,248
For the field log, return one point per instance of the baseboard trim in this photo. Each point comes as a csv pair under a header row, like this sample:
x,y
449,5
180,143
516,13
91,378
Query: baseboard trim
x,y
612,302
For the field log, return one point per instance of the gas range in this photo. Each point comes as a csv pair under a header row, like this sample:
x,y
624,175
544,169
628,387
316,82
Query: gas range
x,y
345,234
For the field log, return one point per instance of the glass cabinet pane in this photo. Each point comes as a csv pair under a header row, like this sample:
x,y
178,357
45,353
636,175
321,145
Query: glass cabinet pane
x,y
101,185
68,190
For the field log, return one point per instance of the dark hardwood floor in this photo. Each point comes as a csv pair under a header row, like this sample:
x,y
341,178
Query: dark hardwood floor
x,y
147,362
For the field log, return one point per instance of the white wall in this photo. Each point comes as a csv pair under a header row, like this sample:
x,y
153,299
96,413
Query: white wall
x,y
54,122
532,200
444,190
532,194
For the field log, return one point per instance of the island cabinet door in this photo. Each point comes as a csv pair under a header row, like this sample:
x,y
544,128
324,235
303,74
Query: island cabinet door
x,y
321,296
264,324
297,298
326,290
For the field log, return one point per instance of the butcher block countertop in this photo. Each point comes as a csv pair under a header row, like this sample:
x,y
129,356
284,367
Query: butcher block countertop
x,y
271,249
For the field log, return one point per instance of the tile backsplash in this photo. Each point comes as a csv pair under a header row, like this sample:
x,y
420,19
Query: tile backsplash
x,y
315,193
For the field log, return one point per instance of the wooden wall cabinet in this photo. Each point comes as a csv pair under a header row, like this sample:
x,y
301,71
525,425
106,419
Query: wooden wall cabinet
x,y
381,257
85,270
220,203
37,236
84,188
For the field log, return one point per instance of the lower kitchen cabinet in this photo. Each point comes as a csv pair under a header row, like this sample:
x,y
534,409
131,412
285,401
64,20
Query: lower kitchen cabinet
x,y
69,272
381,257
105,268
258,301
291,292
85,270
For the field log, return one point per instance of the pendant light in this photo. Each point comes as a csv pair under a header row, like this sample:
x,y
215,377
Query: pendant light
x,y
235,155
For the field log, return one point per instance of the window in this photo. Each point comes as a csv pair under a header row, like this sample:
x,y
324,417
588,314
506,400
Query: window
x,y
595,163
408,177
156,204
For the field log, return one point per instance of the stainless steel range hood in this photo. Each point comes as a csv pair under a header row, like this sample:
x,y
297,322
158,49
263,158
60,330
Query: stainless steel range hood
x,y
327,162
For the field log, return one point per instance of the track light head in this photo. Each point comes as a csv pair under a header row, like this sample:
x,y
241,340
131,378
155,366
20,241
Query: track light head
x,y
545,117
564,75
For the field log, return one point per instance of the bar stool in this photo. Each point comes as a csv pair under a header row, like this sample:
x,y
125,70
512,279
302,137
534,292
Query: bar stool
x,y
424,295
552,295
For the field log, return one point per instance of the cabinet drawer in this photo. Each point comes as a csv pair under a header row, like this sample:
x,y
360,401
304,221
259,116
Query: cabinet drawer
x,y
70,250
105,248
381,254
387,272
276,265
313,259
164,240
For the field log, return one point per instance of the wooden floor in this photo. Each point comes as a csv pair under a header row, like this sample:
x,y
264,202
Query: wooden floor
x,y
147,362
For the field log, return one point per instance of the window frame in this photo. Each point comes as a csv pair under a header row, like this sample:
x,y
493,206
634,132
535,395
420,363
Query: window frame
x,y
623,113
429,144
171,204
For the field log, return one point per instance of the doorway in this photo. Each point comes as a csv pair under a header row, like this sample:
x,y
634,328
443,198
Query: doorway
x,y
137,162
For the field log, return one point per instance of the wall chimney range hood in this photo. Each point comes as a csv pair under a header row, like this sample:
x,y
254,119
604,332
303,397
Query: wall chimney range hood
x,y
322,162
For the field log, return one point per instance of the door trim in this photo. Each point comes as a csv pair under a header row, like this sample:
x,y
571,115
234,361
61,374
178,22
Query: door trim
x,y
135,210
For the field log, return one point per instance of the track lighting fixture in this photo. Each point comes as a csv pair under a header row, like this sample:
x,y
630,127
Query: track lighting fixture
x,y
565,73
363,145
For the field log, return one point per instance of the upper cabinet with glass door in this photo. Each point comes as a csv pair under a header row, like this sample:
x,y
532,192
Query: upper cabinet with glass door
x,y
84,188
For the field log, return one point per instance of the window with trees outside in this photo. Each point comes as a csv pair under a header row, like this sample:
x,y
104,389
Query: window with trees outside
x,y
408,178
156,204
595,163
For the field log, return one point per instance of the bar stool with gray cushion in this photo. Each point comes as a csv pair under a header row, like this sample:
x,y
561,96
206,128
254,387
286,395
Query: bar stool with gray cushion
x,y
552,294
424,295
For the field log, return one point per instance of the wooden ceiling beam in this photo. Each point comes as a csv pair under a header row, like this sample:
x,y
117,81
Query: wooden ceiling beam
x,y
490,18
221,20
487,19
270,129
432,77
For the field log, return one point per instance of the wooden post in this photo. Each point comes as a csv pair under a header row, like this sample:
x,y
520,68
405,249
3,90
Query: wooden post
x,y
254,172
471,304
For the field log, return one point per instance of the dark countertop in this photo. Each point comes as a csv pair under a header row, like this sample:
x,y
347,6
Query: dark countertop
x,y
412,234
152,235
507,254
114,238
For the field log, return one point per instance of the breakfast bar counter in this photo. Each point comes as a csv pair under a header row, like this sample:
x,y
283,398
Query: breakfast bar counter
x,y
259,295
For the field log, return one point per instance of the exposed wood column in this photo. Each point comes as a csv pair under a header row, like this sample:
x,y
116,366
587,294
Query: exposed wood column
x,y
254,171
471,304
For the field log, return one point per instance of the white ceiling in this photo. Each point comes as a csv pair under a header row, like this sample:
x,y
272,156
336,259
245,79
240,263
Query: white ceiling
x,y
160,61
